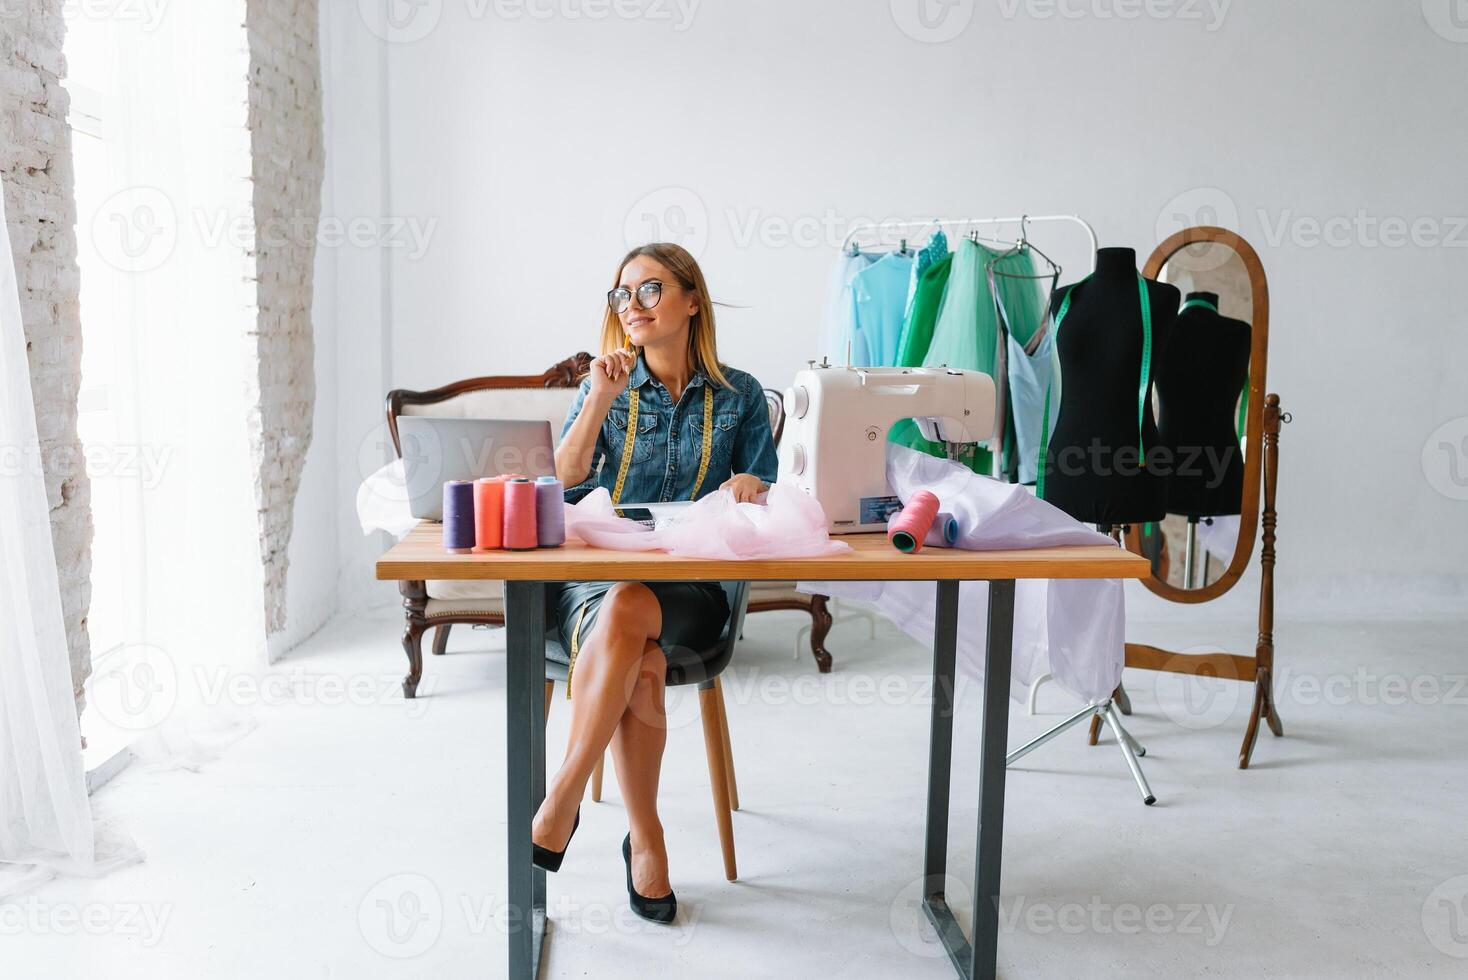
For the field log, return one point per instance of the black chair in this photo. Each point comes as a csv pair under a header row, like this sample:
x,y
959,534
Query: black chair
x,y
701,667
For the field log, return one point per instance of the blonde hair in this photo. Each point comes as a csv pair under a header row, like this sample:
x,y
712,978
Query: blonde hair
x,y
684,268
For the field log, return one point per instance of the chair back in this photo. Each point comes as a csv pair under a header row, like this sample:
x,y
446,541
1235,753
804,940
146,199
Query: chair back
x,y
775,402
535,396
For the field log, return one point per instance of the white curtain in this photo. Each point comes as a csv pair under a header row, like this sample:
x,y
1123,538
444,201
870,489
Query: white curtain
x,y
170,231
45,816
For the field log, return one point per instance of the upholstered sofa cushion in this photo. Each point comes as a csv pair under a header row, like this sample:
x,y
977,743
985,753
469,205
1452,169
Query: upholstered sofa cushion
x,y
464,607
775,591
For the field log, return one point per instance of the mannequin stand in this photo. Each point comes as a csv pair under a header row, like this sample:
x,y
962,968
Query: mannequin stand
x,y
1190,554
1131,749
1109,711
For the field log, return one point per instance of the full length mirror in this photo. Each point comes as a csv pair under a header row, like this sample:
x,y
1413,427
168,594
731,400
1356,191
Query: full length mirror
x,y
1208,403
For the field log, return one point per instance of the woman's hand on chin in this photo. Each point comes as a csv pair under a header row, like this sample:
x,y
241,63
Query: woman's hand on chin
x,y
745,487
609,374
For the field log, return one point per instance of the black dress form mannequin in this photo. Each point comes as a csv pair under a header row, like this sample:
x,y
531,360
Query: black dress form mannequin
x,y
1198,385
1093,466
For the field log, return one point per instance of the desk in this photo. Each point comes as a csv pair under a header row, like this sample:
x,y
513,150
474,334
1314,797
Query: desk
x,y
421,556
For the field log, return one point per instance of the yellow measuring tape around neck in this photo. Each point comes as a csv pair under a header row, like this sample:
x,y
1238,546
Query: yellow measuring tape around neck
x,y
631,440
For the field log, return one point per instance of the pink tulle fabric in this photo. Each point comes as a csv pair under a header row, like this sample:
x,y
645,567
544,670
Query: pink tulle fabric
x,y
789,523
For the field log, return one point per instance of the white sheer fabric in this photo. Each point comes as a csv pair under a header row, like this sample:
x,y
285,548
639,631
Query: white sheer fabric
x,y
786,523
168,234
45,816
1073,629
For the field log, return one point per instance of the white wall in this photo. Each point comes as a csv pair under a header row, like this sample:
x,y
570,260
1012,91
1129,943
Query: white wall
x,y
532,147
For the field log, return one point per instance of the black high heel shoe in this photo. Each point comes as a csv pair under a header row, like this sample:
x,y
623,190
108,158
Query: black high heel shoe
x,y
663,909
544,857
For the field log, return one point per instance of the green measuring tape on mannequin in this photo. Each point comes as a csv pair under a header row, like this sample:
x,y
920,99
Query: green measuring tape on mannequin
x,y
1141,387
1243,398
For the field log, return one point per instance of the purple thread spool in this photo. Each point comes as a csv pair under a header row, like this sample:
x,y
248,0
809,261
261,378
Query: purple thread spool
x,y
550,512
458,517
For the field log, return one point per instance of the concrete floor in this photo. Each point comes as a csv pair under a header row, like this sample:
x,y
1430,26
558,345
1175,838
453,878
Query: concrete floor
x,y
356,835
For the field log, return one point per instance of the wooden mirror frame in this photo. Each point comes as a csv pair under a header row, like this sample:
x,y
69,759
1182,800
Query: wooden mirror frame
x,y
1261,480
1249,510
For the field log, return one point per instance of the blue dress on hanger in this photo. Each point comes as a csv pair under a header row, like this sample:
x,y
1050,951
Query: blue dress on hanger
x,y
839,324
881,306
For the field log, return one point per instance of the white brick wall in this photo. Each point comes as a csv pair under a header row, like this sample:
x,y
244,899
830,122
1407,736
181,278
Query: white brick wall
x,y
287,149
35,166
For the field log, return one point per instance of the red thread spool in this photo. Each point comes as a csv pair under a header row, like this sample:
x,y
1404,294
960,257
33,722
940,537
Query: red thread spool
x,y
520,533
489,513
909,529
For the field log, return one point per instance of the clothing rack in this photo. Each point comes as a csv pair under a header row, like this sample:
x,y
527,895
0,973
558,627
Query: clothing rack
x,y
890,228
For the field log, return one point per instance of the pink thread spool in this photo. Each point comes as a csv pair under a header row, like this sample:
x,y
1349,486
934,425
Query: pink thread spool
x,y
520,534
941,535
909,529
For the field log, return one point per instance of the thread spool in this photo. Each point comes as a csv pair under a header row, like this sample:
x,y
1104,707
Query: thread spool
x,y
489,513
520,515
550,512
942,534
458,517
909,528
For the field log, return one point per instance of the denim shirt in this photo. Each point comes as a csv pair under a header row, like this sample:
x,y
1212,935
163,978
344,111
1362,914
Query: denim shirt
x,y
669,441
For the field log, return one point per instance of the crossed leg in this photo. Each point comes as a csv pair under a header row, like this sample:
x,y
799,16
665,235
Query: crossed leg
x,y
618,685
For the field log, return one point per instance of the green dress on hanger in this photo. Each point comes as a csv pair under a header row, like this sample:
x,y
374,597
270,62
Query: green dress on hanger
x,y
917,334
965,335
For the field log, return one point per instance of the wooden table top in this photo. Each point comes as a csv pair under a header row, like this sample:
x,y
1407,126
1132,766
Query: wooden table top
x,y
420,555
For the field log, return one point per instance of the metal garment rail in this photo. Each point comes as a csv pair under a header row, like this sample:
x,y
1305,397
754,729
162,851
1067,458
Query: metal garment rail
x,y
897,227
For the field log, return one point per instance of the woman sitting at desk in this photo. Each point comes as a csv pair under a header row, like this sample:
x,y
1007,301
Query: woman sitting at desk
x,y
658,419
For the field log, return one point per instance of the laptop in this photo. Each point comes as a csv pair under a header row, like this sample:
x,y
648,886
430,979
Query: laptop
x,y
437,450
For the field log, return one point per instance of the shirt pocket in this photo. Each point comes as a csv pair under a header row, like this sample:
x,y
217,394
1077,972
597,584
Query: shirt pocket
x,y
721,446
647,423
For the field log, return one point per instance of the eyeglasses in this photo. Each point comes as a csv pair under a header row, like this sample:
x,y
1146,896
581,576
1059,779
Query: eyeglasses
x,y
648,295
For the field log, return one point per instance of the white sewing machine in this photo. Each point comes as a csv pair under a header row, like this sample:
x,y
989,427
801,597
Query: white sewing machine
x,y
836,423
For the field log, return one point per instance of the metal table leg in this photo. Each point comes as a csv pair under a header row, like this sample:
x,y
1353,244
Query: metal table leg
x,y
978,959
524,770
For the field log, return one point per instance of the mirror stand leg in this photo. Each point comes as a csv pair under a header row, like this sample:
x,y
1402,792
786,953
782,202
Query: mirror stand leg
x,y
1264,649
1266,684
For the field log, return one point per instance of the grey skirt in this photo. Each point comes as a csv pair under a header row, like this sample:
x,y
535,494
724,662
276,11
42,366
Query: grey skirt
x,y
694,615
